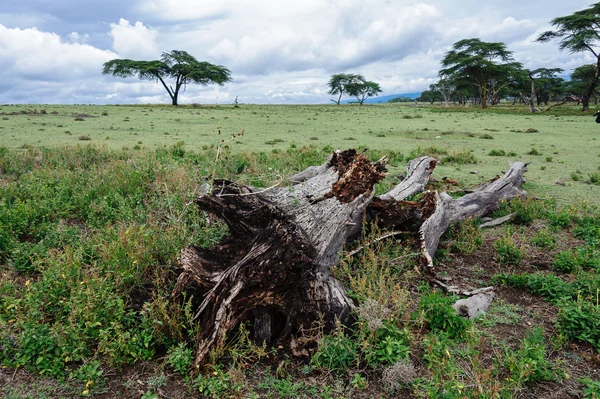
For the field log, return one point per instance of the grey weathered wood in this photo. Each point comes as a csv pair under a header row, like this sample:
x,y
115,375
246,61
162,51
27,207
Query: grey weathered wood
x,y
478,203
274,267
417,176
497,221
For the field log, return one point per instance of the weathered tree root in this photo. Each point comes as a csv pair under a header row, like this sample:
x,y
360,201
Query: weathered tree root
x,y
274,268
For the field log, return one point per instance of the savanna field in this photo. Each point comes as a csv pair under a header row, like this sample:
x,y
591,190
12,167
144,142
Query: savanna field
x,y
95,207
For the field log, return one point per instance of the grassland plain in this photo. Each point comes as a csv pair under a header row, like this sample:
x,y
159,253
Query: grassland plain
x,y
90,233
562,144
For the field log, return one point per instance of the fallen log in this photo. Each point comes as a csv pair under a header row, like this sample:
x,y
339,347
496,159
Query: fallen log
x,y
274,267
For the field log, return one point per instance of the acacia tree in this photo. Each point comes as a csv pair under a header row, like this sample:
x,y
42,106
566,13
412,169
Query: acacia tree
x,y
579,32
363,90
339,83
488,66
446,87
177,65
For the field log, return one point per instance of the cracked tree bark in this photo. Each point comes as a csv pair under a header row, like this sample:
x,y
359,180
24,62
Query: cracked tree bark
x,y
274,267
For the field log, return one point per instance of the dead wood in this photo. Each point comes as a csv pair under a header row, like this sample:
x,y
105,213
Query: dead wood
x,y
274,267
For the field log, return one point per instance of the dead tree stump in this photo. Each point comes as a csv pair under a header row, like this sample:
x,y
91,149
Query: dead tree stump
x,y
274,267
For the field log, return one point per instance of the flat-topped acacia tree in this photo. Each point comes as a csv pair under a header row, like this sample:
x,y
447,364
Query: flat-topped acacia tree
x,y
175,64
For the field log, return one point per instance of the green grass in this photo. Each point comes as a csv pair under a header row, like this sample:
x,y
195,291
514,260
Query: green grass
x,y
90,235
566,134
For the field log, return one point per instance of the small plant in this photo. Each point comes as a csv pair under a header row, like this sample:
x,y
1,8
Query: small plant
x,y
533,151
531,130
398,375
594,178
497,153
486,136
529,362
461,157
591,388
85,138
439,314
543,239
217,384
507,250
180,358
336,352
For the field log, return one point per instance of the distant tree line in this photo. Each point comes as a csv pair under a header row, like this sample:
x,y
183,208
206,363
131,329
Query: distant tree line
x,y
484,73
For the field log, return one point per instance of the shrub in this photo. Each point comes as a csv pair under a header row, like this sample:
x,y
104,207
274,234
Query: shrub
x,y
497,153
180,358
543,239
439,314
461,157
336,352
534,151
85,138
507,250
529,362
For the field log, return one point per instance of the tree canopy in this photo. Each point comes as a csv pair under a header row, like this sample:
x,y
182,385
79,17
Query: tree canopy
x,y
579,32
487,66
175,64
363,90
339,83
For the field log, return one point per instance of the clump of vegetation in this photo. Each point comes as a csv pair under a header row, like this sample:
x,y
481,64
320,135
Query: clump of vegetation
x,y
85,138
533,151
440,316
460,157
507,250
497,153
486,136
433,152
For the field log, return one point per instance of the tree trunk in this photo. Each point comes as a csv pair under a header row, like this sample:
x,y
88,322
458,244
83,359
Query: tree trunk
x,y
274,268
531,99
590,91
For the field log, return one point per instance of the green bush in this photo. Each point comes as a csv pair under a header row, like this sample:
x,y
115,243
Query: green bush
x,y
529,363
336,352
385,345
497,153
180,358
439,314
507,250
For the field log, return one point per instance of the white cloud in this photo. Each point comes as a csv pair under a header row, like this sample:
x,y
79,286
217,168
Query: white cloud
x,y
134,41
42,56
277,51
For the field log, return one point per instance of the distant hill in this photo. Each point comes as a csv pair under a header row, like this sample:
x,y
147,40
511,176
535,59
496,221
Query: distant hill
x,y
384,99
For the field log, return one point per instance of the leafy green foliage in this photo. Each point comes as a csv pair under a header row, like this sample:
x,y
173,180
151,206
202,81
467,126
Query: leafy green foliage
x,y
217,384
507,250
337,352
180,358
529,363
439,314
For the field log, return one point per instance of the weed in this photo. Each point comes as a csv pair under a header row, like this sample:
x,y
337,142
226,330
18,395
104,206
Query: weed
x,y
507,250
533,151
466,237
544,239
439,315
217,384
336,352
497,153
461,157
591,388
529,362
180,358
398,375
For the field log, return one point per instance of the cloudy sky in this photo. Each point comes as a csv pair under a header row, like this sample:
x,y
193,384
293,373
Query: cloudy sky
x,y
278,51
